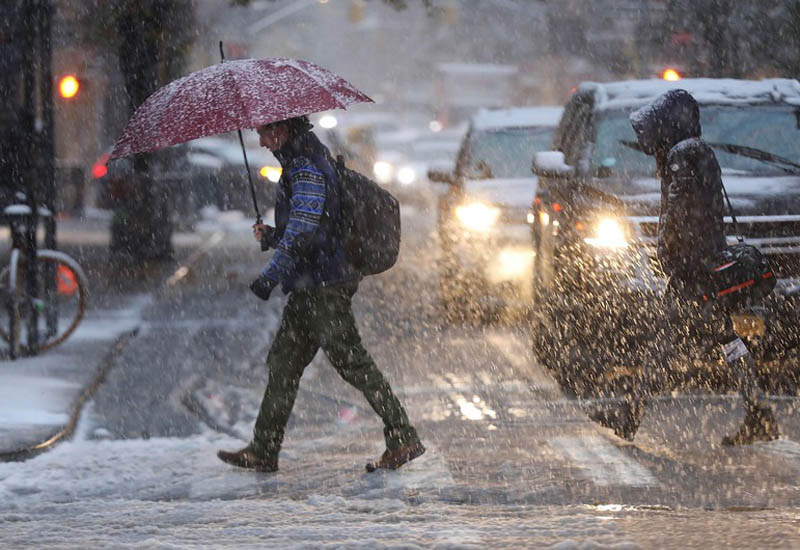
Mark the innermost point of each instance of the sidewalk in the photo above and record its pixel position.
(41, 397)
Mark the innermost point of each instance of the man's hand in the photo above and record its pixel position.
(264, 234)
(262, 287)
(259, 230)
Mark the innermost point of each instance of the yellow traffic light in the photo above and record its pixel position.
(68, 86)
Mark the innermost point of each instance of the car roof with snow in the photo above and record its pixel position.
(231, 151)
(720, 91)
(516, 117)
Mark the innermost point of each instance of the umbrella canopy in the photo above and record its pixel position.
(233, 95)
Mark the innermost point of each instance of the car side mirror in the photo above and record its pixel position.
(551, 164)
(437, 175)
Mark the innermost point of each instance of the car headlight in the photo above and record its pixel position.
(328, 121)
(477, 216)
(607, 233)
(406, 175)
(272, 173)
(383, 171)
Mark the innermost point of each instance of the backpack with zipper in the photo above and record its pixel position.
(369, 222)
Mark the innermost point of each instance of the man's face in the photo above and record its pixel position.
(272, 136)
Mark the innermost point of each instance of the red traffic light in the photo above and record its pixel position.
(100, 168)
(68, 86)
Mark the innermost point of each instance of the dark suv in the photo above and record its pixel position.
(594, 219)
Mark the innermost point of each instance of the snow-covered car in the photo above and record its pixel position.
(402, 160)
(594, 218)
(354, 134)
(486, 254)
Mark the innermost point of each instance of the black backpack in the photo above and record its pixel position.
(369, 222)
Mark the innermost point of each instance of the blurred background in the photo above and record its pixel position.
(428, 64)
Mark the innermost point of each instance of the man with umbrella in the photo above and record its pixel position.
(310, 266)
(273, 95)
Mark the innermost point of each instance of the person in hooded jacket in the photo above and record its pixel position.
(310, 266)
(690, 230)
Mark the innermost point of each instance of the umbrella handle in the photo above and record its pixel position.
(246, 165)
(250, 178)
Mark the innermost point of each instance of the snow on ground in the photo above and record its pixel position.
(174, 493)
(165, 493)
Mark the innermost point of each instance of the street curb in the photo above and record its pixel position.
(69, 428)
(107, 363)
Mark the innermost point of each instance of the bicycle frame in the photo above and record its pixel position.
(23, 223)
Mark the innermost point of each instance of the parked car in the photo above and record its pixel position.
(594, 217)
(205, 171)
(218, 175)
(486, 255)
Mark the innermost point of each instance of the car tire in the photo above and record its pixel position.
(452, 294)
(567, 340)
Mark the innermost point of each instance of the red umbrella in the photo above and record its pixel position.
(233, 95)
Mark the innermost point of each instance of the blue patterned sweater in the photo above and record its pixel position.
(307, 248)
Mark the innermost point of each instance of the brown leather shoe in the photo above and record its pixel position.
(392, 459)
(623, 419)
(247, 458)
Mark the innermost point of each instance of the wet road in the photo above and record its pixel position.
(500, 434)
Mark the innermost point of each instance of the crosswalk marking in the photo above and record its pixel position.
(785, 449)
(603, 463)
(517, 354)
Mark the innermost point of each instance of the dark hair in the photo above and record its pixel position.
(296, 126)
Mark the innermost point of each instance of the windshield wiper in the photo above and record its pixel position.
(784, 164)
(632, 144)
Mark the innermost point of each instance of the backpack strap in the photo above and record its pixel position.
(739, 236)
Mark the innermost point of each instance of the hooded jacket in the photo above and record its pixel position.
(690, 224)
(308, 251)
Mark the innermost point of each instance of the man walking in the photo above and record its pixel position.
(311, 268)
(690, 230)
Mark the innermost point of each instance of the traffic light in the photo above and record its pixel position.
(68, 86)
(356, 10)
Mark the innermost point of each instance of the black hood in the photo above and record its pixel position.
(671, 118)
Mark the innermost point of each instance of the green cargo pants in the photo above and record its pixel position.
(314, 318)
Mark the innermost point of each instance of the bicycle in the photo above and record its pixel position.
(54, 312)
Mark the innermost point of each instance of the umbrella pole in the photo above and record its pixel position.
(246, 165)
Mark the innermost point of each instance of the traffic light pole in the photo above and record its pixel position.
(47, 174)
(28, 169)
(38, 164)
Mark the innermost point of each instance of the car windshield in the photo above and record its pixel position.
(771, 129)
(504, 153)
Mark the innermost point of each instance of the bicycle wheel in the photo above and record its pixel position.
(10, 328)
(59, 312)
